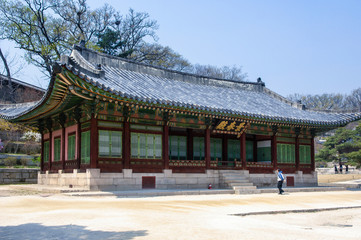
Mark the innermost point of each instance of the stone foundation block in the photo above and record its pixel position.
(123, 181)
(128, 173)
(165, 181)
(93, 173)
(111, 175)
(186, 181)
(167, 173)
(100, 181)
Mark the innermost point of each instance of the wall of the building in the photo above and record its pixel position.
(261, 161)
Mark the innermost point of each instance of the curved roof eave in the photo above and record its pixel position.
(216, 111)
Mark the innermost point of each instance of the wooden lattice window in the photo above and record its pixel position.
(57, 149)
(286, 153)
(216, 149)
(264, 151)
(249, 151)
(234, 149)
(85, 147)
(146, 146)
(305, 154)
(177, 147)
(198, 148)
(46, 151)
(110, 143)
(71, 147)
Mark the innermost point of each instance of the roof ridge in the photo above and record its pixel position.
(283, 99)
(100, 59)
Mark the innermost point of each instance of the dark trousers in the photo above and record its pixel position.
(279, 186)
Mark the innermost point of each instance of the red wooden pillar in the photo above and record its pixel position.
(313, 153)
(126, 145)
(50, 149)
(165, 139)
(63, 147)
(243, 151)
(297, 152)
(93, 141)
(207, 148)
(274, 151)
(78, 146)
(42, 152)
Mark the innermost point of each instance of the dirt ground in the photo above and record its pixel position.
(46, 216)
(330, 178)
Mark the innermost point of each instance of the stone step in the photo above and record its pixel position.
(247, 191)
(228, 171)
(235, 180)
(234, 177)
(234, 173)
(243, 187)
(240, 184)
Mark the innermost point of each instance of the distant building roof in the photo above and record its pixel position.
(21, 83)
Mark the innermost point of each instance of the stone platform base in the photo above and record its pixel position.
(298, 179)
(94, 180)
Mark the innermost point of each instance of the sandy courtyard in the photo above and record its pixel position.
(42, 216)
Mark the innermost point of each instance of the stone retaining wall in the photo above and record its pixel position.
(351, 170)
(18, 175)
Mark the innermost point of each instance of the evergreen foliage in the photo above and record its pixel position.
(344, 146)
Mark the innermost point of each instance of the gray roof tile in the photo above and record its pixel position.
(155, 85)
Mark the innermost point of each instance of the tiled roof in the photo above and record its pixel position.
(9, 111)
(159, 86)
(156, 85)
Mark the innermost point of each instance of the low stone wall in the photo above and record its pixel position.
(93, 179)
(351, 170)
(18, 175)
(270, 180)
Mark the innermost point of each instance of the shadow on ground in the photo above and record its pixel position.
(37, 231)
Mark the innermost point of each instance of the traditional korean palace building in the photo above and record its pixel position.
(110, 123)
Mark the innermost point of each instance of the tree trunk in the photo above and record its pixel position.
(10, 84)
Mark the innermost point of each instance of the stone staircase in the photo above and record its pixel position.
(238, 181)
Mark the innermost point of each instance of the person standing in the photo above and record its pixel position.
(280, 179)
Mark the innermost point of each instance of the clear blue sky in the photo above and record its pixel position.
(305, 46)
